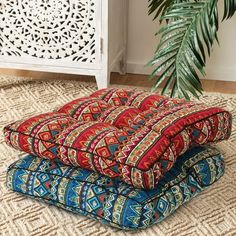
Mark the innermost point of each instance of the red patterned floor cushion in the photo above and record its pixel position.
(37, 134)
(129, 134)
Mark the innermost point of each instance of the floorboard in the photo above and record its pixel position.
(128, 79)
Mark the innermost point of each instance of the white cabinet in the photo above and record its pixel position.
(85, 37)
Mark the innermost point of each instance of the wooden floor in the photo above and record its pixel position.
(128, 79)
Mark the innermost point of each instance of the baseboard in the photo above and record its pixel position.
(138, 69)
(222, 73)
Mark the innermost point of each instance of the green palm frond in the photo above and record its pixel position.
(189, 33)
(229, 8)
(158, 7)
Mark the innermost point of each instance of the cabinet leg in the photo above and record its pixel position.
(103, 80)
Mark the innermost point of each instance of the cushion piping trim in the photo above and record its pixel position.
(187, 172)
(135, 167)
(89, 213)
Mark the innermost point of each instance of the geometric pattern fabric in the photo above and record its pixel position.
(112, 201)
(129, 134)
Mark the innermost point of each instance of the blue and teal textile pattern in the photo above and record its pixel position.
(110, 200)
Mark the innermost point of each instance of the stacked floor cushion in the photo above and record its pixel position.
(140, 141)
(132, 135)
(110, 200)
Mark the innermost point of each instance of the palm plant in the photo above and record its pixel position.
(189, 31)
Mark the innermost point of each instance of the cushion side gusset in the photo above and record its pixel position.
(109, 207)
(211, 129)
(145, 162)
(200, 177)
(117, 140)
(214, 117)
(142, 179)
(85, 198)
(215, 126)
(37, 135)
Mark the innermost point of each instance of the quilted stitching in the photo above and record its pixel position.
(129, 134)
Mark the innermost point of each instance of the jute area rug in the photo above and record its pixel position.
(211, 213)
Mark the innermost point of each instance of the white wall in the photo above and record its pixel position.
(142, 44)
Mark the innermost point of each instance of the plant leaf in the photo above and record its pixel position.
(191, 28)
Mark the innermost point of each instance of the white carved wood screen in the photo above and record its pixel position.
(65, 36)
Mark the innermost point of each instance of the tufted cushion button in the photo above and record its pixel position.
(85, 109)
(120, 116)
(114, 96)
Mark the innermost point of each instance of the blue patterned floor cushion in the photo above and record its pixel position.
(110, 200)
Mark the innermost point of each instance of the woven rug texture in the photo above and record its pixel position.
(212, 213)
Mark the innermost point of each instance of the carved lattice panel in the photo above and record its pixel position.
(49, 29)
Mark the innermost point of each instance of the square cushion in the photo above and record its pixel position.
(112, 201)
(130, 134)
